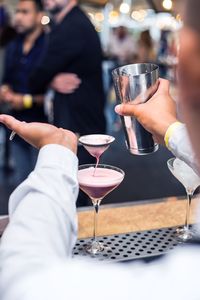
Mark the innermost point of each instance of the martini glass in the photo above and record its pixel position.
(96, 144)
(97, 186)
(190, 180)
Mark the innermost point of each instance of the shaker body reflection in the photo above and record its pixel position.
(136, 84)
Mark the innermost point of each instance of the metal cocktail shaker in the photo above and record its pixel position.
(136, 84)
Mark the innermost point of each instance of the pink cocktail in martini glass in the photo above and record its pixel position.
(96, 144)
(97, 186)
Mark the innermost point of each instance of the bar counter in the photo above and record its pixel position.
(136, 216)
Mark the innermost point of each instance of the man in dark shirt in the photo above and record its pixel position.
(23, 54)
(74, 47)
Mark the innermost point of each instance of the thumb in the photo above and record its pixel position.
(128, 109)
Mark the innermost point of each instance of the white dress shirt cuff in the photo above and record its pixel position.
(180, 146)
(58, 156)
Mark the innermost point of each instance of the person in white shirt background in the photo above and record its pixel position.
(122, 45)
(36, 248)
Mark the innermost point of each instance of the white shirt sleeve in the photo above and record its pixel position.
(42, 232)
(43, 222)
(180, 146)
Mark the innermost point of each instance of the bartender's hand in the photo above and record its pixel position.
(4, 90)
(40, 134)
(15, 100)
(65, 83)
(156, 115)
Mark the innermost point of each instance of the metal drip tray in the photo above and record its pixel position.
(129, 246)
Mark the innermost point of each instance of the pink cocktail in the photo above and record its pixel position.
(96, 144)
(97, 186)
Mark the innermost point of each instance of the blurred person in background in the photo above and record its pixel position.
(74, 47)
(23, 54)
(121, 50)
(163, 44)
(7, 33)
(163, 51)
(3, 15)
(146, 51)
(122, 46)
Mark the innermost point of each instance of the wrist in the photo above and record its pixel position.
(63, 153)
(170, 130)
(27, 101)
(61, 137)
(69, 141)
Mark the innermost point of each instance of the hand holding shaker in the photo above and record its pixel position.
(136, 84)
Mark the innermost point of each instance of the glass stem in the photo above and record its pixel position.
(97, 162)
(96, 210)
(187, 217)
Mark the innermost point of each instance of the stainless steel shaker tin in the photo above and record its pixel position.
(136, 84)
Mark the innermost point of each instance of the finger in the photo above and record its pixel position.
(163, 85)
(65, 91)
(13, 124)
(71, 75)
(72, 81)
(128, 109)
(68, 91)
(76, 82)
(67, 77)
(71, 86)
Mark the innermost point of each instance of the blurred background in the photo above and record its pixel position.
(130, 31)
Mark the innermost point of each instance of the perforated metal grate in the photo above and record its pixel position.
(132, 245)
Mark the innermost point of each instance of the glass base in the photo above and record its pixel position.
(144, 151)
(95, 247)
(184, 234)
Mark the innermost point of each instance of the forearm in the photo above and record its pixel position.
(42, 212)
(24, 101)
(38, 99)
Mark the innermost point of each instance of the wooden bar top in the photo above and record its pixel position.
(136, 216)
